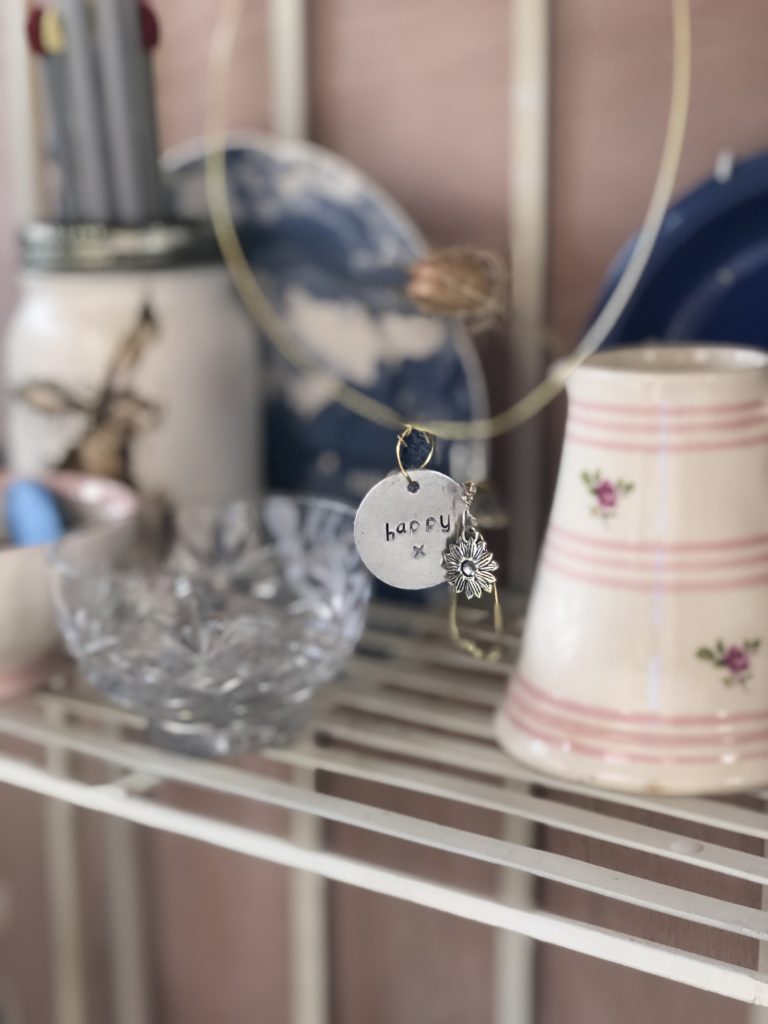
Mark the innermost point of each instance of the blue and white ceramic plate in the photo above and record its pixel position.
(331, 250)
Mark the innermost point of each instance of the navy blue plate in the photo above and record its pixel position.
(708, 277)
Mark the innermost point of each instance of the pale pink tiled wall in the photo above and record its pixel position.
(416, 93)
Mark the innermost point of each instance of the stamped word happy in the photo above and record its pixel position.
(406, 527)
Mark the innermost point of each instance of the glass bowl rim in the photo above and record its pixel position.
(258, 500)
(58, 564)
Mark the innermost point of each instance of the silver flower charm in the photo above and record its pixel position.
(470, 567)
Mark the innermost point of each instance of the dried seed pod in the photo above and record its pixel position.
(469, 283)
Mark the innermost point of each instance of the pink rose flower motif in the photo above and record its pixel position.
(736, 659)
(607, 493)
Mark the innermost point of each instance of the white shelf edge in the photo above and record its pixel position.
(686, 968)
(414, 714)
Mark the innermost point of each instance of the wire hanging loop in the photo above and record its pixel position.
(402, 442)
(220, 65)
(470, 569)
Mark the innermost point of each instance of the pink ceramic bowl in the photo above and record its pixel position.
(29, 639)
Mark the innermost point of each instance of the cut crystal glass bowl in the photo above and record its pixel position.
(222, 644)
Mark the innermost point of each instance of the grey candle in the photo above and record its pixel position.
(146, 119)
(91, 185)
(118, 43)
(58, 107)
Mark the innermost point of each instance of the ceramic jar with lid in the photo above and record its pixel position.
(128, 355)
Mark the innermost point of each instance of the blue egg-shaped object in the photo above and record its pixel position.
(32, 514)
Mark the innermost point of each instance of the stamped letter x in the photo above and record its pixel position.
(418, 551)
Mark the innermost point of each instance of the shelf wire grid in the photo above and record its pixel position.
(412, 713)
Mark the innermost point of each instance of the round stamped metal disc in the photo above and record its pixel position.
(401, 534)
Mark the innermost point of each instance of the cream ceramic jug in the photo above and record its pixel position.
(644, 663)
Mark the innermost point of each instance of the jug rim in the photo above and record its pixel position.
(676, 361)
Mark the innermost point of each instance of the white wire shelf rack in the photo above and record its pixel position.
(414, 714)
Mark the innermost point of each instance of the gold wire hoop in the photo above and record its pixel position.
(402, 442)
(491, 654)
(254, 298)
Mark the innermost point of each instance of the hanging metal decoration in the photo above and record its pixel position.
(415, 529)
